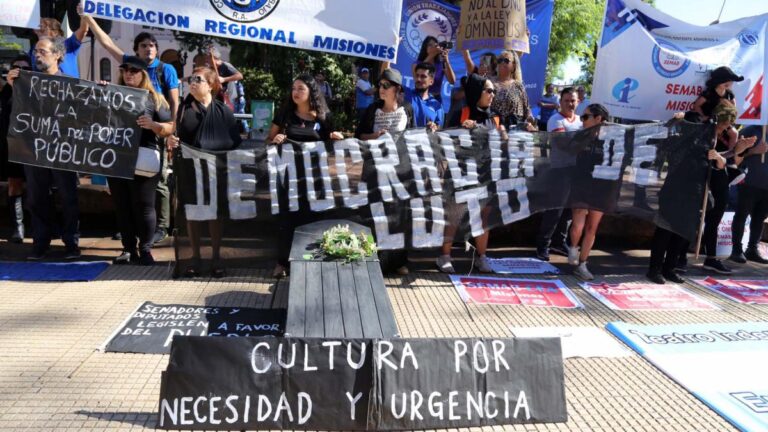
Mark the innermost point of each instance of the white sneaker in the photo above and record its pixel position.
(581, 271)
(573, 255)
(483, 266)
(444, 264)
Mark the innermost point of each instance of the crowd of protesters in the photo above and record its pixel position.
(492, 96)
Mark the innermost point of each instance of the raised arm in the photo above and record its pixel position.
(468, 62)
(103, 38)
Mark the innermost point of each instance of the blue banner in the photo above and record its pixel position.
(422, 18)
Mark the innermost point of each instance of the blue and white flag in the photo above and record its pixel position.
(361, 28)
(651, 65)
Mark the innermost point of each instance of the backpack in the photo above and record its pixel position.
(159, 72)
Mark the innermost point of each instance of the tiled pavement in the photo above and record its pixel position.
(53, 378)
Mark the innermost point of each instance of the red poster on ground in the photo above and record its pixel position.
(639, 296)
(528, 292)
(741, 290)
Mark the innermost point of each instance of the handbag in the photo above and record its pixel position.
(148, 162)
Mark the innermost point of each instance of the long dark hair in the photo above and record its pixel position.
(423, 52)
(316, 98)
(598, 110)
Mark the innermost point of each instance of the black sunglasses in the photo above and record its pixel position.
(585, 117)
(25, 68)
(503, 60)
(386, 85)
(197, 79)
(490, 91)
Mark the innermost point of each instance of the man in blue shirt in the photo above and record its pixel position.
(166, 81)
(51, 28)
(427, 110)
(363, 92)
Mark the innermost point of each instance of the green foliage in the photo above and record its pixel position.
(260, 85)
(575, 30)
(9, 45)
(340, 242)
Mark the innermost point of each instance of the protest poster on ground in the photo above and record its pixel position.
(75, 125)
(150, 329)
(16, 13)
(646, 296)
(493, 24)
(521, 266)
(722, 364)
(360, 384)
(671, 60)
(527, 292)
(747, 291)
(360, 28)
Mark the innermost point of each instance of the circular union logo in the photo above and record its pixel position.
(426, 19)
(668, 61)
(748, 37)
(244, 10)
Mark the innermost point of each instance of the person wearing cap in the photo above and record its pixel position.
(388, 115)
(364, 92)
(716, 88)
(752, 201)
(427, 110)
(49, 54)
(135, 198)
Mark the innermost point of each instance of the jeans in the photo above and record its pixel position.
(135, 206)
(39, 201)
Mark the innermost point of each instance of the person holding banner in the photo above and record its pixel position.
(584, 219)
(511, 101)
(206, 123)
(8, 170)
(477, 112)
(436, 54)
(49, 54)
(717, 88)
(303, 118)
(135, 199)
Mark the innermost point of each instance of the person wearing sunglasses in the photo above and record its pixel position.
(511, 101)
(303, 118)
(49, 54)
(206, 123)
(585, 220)
(135, 199)
(477, 113)
(13, 172)
(388, 115)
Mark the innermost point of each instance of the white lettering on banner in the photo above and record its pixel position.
(351, 200)
(465, 140)
(472, 198)
(191, 410)
(644, 154)
(421, 237)
(280, 164)
(522, 209)
(65, 153)
(519, 155)
(437, 404)
(612, 137)
(385, 168)
(385, 239)
(315, 204)
(237, 182)
(201, 211)
(326, 25)
(353, 403)
(422, 161)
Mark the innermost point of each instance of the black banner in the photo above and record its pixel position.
(410, 188)
(75, 125)
(152, 327)
(361, 384)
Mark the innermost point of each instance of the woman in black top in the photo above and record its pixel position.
(208, 124)
(135, 199)
(9, 170)
(302, 118)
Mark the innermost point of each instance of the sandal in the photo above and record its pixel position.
(193, 270)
